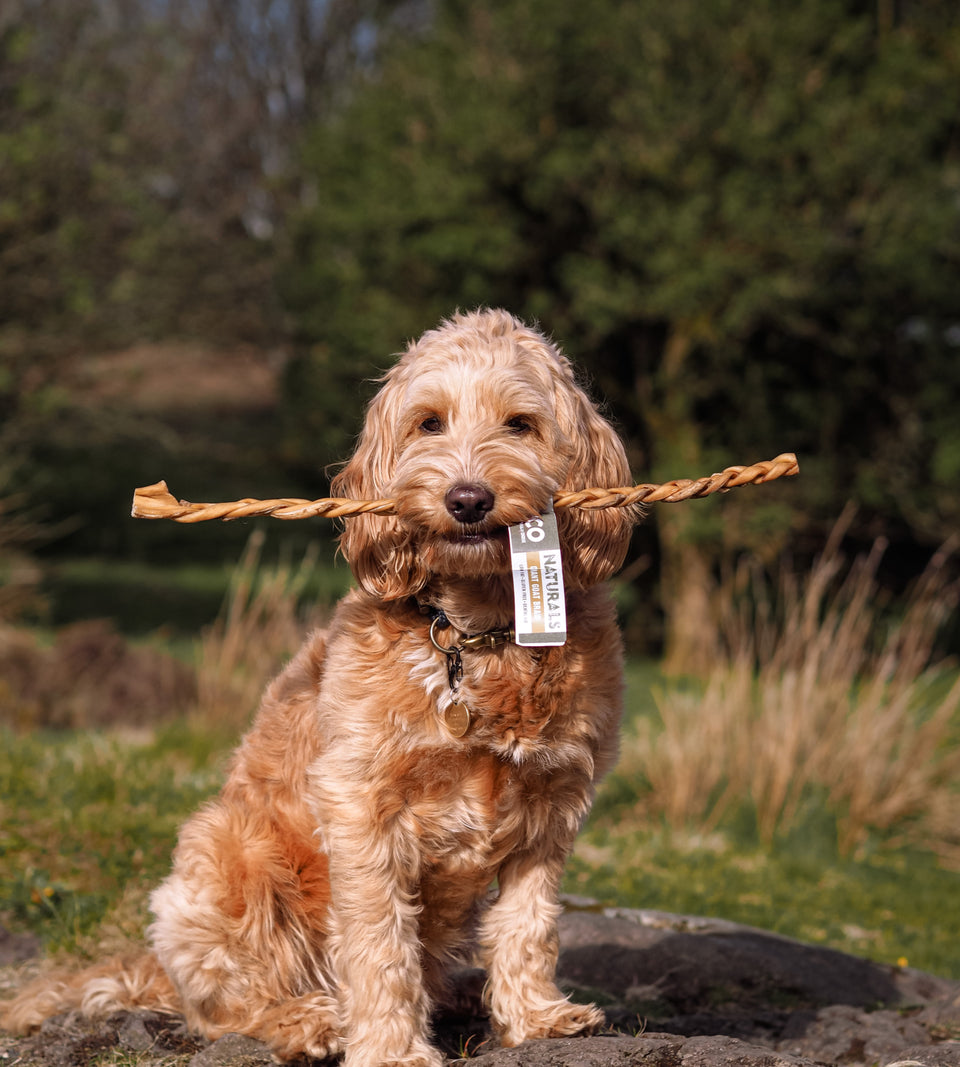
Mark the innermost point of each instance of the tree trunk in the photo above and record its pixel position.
(686, 578)
(686, 591)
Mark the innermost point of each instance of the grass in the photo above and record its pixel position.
(806, 785)
(809, 783)
(894, 906)
(77, 861)
(87, 824)
(144, 597)
(261, 626)
(88, 819)
(120, 1057)
(820, 695)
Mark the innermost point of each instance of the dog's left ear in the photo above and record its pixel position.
(594, 541)
(378, 549)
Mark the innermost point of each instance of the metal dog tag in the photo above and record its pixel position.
(456, 717)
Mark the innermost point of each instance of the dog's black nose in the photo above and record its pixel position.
(468, 503)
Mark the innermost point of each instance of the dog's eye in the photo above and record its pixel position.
(431, 424)
(519, 424)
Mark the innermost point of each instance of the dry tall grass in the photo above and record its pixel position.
(261, 626)
(819, 696)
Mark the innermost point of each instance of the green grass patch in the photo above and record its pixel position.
(886, 902)
(87, 825)
(88, 822)
(892, 906)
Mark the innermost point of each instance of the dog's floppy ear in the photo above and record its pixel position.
(377, 547)
(595, 541)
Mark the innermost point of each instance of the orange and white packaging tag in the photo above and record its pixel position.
(539, 603)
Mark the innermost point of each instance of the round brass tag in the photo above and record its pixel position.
(457, 719)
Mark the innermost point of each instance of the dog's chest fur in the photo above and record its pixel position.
(526, 761)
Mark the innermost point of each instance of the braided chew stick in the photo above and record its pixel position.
(156, 502)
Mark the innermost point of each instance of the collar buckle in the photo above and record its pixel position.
(488, 639)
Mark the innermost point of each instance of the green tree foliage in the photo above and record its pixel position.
(121, 220)
(778, 188)
(144, 154)
(114, 228)
(744, 219)
(144, 172)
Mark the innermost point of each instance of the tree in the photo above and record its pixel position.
(144, 157)
(743, 218)
(145, 168)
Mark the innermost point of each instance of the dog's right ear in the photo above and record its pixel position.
(377, 547)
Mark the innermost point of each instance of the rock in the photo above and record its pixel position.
(842, 1034)
(70, 1040)
(946, 1054)
(153, 1031)
(15, 948)
(649, 1050)
(233, 1050)
(689, 964)
(134, 1033)
(679, 991)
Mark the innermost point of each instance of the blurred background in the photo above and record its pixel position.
(220, 218)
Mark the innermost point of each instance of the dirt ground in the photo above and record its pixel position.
(678, 992)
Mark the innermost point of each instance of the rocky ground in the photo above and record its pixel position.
(678, 992)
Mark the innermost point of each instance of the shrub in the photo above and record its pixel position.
(820, 697)
(89, 677)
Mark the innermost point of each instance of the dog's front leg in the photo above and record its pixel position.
(374, 871)
(519, 937)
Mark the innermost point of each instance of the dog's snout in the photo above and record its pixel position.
(469, 503)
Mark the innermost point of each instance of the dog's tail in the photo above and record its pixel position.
(122, 983)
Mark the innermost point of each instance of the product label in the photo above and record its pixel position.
(539, 604)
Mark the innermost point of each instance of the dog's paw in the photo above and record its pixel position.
(560, 1019)
(415, 1061)
(419, 1054)
(296, 1043)
(304, 1027)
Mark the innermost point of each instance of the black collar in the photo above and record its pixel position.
(484, 639)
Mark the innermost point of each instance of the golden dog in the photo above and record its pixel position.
(365, 838)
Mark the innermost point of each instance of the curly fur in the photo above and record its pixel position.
(318, 901)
